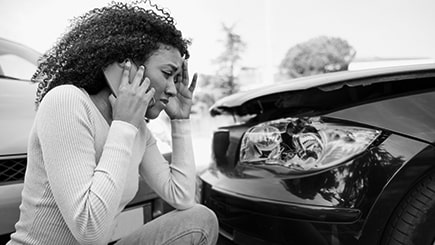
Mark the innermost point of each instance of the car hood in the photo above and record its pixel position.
(252, 101)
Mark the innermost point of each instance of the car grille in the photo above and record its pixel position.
(12, 169)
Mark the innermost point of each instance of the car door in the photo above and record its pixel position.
(17, 94)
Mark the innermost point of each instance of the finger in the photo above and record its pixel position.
(185, 79)
(145, 86)
(126, 74)
(193, 83)
(138, 78)
(112, 100)
(150, 94)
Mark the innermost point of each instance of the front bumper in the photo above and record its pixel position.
(247, 220)
(227, 200)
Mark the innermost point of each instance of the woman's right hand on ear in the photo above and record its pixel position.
(133, 98)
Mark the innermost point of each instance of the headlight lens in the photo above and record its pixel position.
(303, 145)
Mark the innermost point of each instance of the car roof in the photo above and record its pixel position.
(8, 46)
(327, 81)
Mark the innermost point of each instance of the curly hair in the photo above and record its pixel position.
(103, 36)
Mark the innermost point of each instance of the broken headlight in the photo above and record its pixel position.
(303, 145)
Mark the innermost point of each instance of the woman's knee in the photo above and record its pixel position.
(207, 220)
(196, 225)
(206, 215)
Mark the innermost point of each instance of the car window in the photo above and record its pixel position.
(13, 66)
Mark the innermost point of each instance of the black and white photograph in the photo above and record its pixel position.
(217, 122)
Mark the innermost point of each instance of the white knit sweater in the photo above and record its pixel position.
(81, 171)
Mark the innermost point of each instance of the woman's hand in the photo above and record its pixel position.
(133, 98)
(180, 105)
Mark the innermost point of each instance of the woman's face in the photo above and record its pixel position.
(163, 68)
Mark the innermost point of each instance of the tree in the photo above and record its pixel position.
(318, 55)
(224, 82)
(228, 61)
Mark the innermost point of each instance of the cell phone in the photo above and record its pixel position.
(113, 74)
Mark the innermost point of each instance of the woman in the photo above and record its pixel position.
(87, 148)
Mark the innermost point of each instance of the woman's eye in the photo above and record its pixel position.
(167, 74)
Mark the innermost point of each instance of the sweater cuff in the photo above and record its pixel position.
(180, 126)
(124, 124)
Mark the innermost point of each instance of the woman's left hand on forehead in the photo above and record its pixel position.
(180, 105)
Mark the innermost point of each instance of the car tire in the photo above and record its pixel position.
(413, 221)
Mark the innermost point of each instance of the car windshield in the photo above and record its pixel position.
(16, 67)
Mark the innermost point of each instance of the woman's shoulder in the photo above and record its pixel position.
(65, 92)
(65, 95)
(65, 89)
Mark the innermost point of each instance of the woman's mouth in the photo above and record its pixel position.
(164, 101)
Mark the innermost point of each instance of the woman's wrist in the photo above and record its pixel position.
(180, 126)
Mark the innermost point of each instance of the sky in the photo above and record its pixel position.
(375, 28)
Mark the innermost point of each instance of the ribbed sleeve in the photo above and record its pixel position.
(174, 182)
(87, 191)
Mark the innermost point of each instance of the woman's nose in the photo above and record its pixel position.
(171, 90)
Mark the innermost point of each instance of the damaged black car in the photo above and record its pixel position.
(337, 158)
